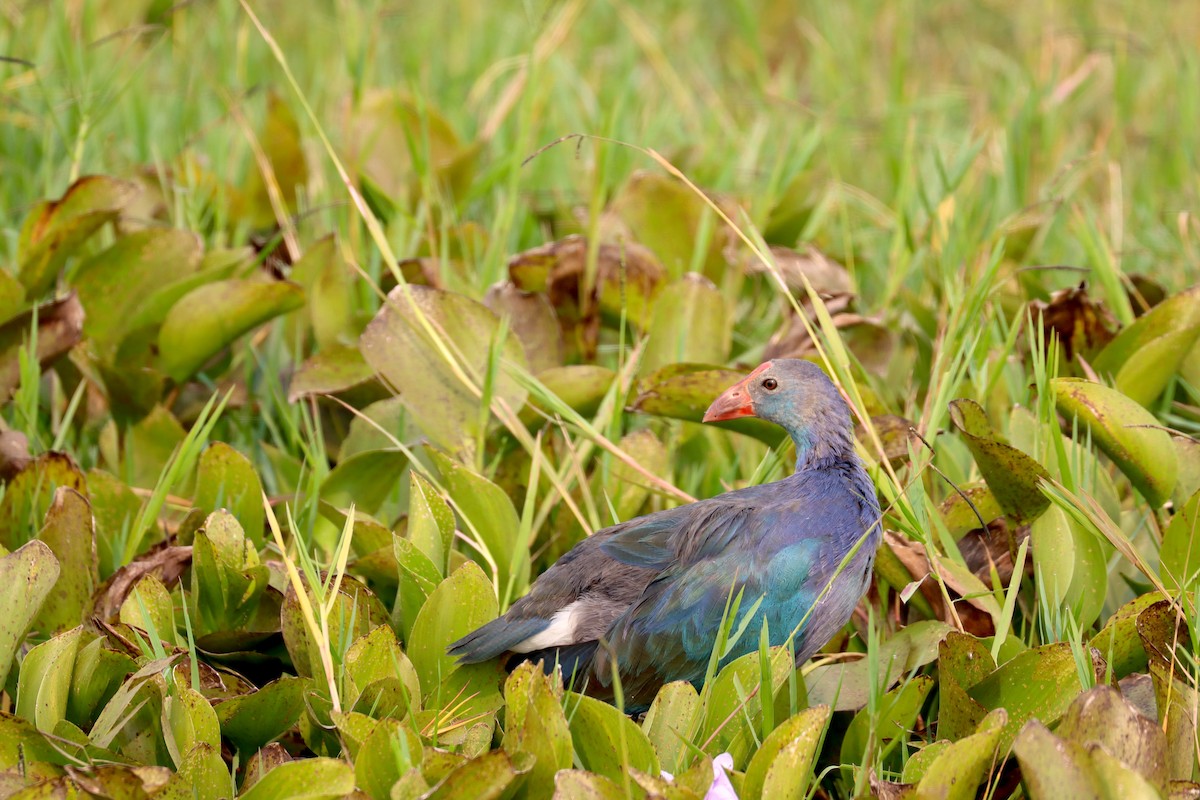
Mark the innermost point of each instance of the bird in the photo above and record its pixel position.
(649, 595)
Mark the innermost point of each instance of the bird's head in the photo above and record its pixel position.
(794, 394)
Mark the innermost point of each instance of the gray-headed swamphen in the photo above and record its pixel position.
(652, 592)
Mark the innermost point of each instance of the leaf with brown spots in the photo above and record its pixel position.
(1080, 323)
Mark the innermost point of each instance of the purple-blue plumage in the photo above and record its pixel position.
(652, 591)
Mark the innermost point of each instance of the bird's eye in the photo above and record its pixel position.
(770, 384)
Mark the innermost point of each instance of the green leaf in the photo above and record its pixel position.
(418, 577)
(606, 740)
(305, 779)
(225, 479)
(366, 480)
(69, 534)
(963, 661)
(115, 510)
(845, 686)
(376, 657)
(1146, 355)
(671, 722)
(114, 285)
(1051, 767)
(386, 754)
(958, 769)
(55, 229)
(1013, 476)
(1068, 565)
(213, 316)
(1040, 682)
(535, 724)
(44, 684)
(398, 346)
(26, 578)
(1180, 552)
(625, 488)
(187, 721)
(28, 496)
(685, 391)
(731, 717)
(336, 369)
(59, 328)
(148, 606)
(1125, 431)
(1101, 718)
(1118, 641)
(578, 784)
(532, 319)
(483, 778)
(488, 514)
(99, 672)
(689, 323)
(355, 611)
(580, 386)
(459, 605)
(666, 216)
(431, 522)
(252, 720)
(783, 765)
(894, 717)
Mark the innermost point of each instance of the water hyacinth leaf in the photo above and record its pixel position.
(227, 578)
(417, 578)
(12, 297)
(957, 770)
(226, 479)
(202, 776)
(536, 725)
(1068, 565)
(671, 721)
(1012, 475)
(1052, 767)
(305, 779)
(485, 777)
(44, 684)
(666, 216)
(386, 753)
(149, 607)
(531, 317)
(1187, 451)
(685, 391)
(215, 265)
(1179, 555)
(398, 346)
(99, 672)
(326, 279)
(366, 480)
(731, 716)
(377, 657)
(625, 488)
(1125, 431)
(782, 767)
(337, 369)
(578, 784)
(284, 151)
(431, 522)
(69, 534)
(1040, 682)
(606, 740)
(59, 328)
(844, 686)
(113, 285)
(392, 137)
(1102, 717)
(374, 428)
(213, 316)
(459, 605)
(1118, 641)
(581, 386)
(961, 516)
(963, 661)
(689, 323)
(1144, 357)
(27, 576)
(354, 612)
(488, 515)
(252, 720)
(893, 718)
(54, 229)
(188, 720)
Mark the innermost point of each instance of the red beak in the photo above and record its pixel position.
(735, 401)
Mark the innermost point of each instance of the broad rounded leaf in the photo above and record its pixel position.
(226, 479)
(957, 771)
(1012, 475)
(1125, 431)
(685, 391)
(26, 578)
(606, 740)
(69, 533)
(211, 317)
(305, 779)
(459, 605)
(252, 720)
(405, 344)
(689, 323)
(1039, 683)
(783, 765)
(1145, 356)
